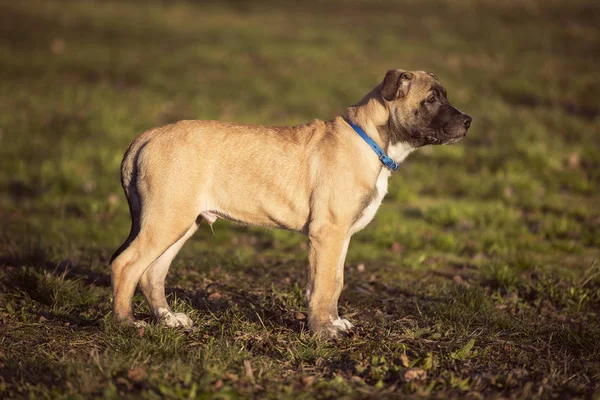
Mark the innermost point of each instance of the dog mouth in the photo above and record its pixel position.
(454, 139)
(446, 136)
(453, 129)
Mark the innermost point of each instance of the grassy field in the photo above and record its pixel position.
(479, 277)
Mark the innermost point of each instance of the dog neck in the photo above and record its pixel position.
(399, 151)
(372, 116)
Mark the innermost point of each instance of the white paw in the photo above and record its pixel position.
(342, 323)
(174, 320)
(333, 329)
(177, 320)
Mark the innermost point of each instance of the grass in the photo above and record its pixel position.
(479, 277)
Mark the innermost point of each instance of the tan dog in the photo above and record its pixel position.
(321, 179)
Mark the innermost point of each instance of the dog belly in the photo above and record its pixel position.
(257, 210)
(244, 218)
(254, 219)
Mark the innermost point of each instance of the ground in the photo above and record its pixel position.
(479, 277)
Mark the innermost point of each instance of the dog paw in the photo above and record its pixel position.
(176, 320)
(334, 329)
(343, 323)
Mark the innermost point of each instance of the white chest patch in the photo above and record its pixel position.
(398, 153)
(369, 212)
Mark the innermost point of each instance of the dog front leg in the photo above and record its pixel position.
(339, 286)
(327, 252)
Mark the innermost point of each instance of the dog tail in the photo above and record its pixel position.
(129, 167)
(129, 177)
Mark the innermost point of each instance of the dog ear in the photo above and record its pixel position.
(396, 84)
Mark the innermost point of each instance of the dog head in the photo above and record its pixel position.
(419, 110)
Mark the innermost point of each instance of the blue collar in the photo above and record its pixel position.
(384, 158)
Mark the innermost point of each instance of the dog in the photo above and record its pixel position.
(325, 179)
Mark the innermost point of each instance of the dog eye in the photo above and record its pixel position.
(431, 99)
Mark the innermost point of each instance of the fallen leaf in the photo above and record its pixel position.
(414, 374)
(136, 374)
(215, 296)
(113, 199)
(308, 380)
(512, 296)
(465, 352)
(231, 377)
(248, 368)
(573, 161)
(123, 381)
(88, 187)
(57, 46)
(460, 281)
(396, 247)
(404, 360)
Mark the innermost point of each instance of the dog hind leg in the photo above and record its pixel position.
(152, 284)
(153, 240)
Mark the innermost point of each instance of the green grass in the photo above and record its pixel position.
(479, 277)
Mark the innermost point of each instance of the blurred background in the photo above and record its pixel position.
(508, 218)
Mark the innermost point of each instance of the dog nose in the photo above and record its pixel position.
(467, 121)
